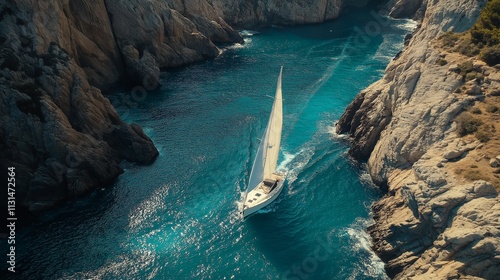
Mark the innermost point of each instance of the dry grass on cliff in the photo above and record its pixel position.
(476, 164)
(481, 122)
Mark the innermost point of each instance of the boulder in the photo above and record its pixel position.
(474, 90)
(453, 154)
(454, 68)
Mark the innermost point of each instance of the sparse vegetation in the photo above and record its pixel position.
(449, 39)
(476, 111)
(491, 55)
(473, 175)
(491, 108)
(466, 47)
(482, 135)
(467, 124)
(465, 67)
(474, 76)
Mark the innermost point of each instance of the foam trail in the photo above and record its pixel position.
(289, 157)
(304, 157)
(329, 73)
(320, 47)
(237, 214)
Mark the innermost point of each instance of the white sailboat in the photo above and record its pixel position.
(265, 183)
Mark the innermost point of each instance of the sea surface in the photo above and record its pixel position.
(179, 218)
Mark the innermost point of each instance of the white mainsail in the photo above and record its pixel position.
(267, 155)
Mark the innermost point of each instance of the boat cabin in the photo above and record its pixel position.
(270, 184)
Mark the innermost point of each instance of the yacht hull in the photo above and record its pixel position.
(251, 209)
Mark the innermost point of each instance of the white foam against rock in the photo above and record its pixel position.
(247, 33)
(360, 243)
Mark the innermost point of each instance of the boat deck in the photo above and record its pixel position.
(263, 191)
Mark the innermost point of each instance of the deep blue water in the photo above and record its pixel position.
(178, 218)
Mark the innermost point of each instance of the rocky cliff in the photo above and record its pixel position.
(57, 129)
(431, 224)
(264, 13)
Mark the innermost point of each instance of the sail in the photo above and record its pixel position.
(268, 152)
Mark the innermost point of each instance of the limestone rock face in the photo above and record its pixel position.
(64, 129)
(247, 14)
(390, 121)
(407, 8)
(81, 27)
(158, 34)
(430, 225)
(60, 133)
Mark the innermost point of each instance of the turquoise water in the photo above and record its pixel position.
(178, 218)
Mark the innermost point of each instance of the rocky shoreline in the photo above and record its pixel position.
(65, 138)
(431, 224)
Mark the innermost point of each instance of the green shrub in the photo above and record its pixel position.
(449, 39)
(491, 55)
(467, 124)
(487, 28)
(474, 75)
(465, 67)
(467, 47)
